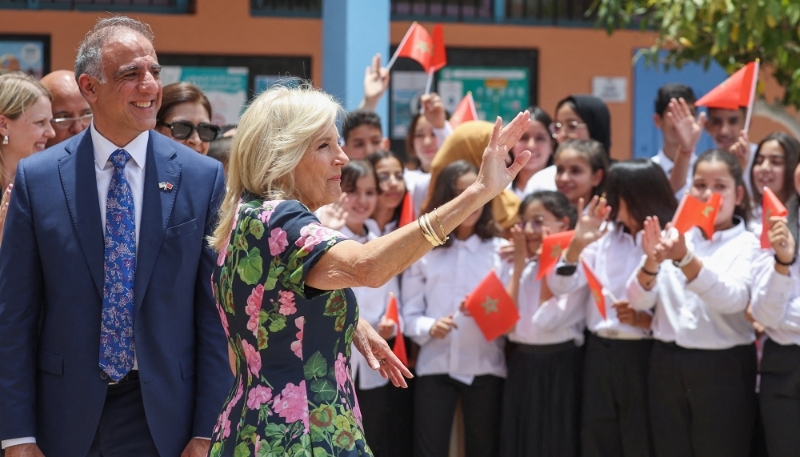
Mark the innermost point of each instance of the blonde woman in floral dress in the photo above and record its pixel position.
(282, 280)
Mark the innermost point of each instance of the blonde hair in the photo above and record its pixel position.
(18, 92)
(273, 134)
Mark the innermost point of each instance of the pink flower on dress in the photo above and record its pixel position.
(314, 234)
(357, 410)
(258, 396)
(292, 403)
(257, 442)
(223, 253)
(253, 358)
(297, 346)
(224, 423)
(277, 241)
(286, 299)
(342, 375)
(253, 308)
(224, 318)
(268, 208)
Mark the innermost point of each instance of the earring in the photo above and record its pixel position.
(5, 139)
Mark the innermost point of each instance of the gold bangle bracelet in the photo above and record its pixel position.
(429, 226)
(425, 232)
(441, 227)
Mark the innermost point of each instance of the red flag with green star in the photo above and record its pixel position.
(552, 248)
(771, 206)
(491, 307)
(692, 212)
(417, 45)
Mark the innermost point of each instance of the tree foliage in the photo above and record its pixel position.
(731, 32)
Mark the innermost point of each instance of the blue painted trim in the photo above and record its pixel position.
(499, 10)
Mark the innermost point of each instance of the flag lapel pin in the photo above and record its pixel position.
(165, 186)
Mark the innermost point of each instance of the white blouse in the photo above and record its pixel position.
(709, 311)
(372, 304)
(434, 287)
(612, 258)
(557, 320)
(542, 180)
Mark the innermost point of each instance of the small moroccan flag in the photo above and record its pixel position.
(407, 212)
(492, 307)
(465, 111)
(733, 93)
(393, 313)
(439, 59)
(417, 44)
(692, 212)
(595, 288)
(771, 206)
(552, 248)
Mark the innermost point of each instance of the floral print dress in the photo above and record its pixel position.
(293, 394)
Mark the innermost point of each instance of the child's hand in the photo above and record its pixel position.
(688, 129)
(741, 149)
(386, 328)
(630, 316)
(441, 328)
(781, 239)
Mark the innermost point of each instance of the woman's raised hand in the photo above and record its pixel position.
(495, 175)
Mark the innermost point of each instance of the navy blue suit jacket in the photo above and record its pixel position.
(51, 295)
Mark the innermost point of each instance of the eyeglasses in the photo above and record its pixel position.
(537, 223)
(570, 127)
(384, 178)
(182, 130)
(63, 123)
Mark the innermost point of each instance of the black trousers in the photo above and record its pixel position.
(434, 408)
(373, 404)
(123, 430)
(702, 402)
(614, 419)
(779, 398)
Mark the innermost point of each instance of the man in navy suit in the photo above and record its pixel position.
(110, 342)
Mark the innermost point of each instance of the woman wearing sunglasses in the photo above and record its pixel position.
(185, 115)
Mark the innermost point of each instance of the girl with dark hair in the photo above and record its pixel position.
(541, 143)
(581, 167)
(773, 167)
(583, 117)
(542, 395)
(455, 360)
(372, 390)
(388, 169)
(185, 116)
(614, 418)
(703, 364)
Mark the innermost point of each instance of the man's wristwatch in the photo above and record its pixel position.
(685, 260)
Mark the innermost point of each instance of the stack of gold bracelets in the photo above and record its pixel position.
(428, 232)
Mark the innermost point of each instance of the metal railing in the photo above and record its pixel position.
(455, 10)
(301, 8)
(550, 12)
(144, 6)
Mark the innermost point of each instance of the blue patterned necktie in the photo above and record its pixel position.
(116, 326)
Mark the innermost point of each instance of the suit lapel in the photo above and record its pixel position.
(79, 181)
(161, 167)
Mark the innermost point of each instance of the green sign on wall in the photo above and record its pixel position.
(497, 91)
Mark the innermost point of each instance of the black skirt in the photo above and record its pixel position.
(542, 401)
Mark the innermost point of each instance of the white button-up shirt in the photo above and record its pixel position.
(612, 258)
(667, 165)
(557, 320)
(709, 311)
(434, 287)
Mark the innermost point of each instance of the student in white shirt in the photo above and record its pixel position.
(773, 167)
(391, 189)
(542, 395)
(776, 304)
(703, 365)
(581, 168)
(455, 360)
(615, 418)
(541, 143)
(372, 390)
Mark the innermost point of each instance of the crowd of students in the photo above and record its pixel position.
(671, 370)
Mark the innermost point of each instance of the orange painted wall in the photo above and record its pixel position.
(568, 57)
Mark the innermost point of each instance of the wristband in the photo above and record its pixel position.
(685, 260)
(649, 273)
(778, 261)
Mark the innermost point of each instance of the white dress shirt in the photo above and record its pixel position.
(104, 170)
(372, 303)
(709, 311)
(612, 258)
(776, 299)
(434, 287)
(542, 180)
(667, 165)
(557, 320)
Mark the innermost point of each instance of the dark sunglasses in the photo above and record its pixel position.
(182, 130)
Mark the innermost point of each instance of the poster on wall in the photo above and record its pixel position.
(497, 91)
(225, 87)
(28, 54)
(407, 87)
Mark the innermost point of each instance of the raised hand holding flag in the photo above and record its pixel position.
(491, 307)
(417, 44)
(552, 248)
(771, 206)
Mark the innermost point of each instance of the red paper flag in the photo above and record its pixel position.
(417, 45)
(439, 59)
(465, 111)
(407, 212)
(492, 307)
(734, 93)
(692, 212)
(771, 206)
(596, 288)
(552, 248)
(393, 313)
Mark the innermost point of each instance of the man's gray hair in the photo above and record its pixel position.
(90, 52)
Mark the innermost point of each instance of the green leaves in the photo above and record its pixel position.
(316, 367)
(250, 268)
(325, 391)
